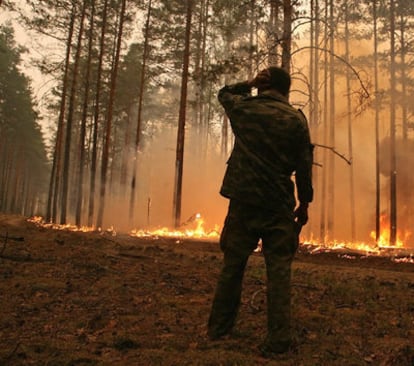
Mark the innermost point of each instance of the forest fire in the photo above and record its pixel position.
(194, 228)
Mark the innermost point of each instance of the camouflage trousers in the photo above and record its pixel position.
(243, 227)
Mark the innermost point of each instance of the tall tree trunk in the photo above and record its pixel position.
(69, 123)
(126, 151)
(331, 179)
(27, 195)
(15, 179)
(312, 61)
(82, 136)
(197, 66)
(224, 135)
(393, 105)
(323, 207)
(377, 136)
(314, 89)
(349, 121)
(404, 97)
(316, 51)
(203, 116)
(51, 211)
(108, 125)
(5, 164)
(273, 40)
(181, 122)
(225, 122)
(145, 55)
(92, 185)
(252, 31)
(287, 35)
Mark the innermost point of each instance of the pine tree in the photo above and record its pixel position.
(23, 166)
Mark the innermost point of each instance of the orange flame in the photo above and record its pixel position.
(194, 228)
(38, 220)
(198, 232)
(385, 235)
(374, 246)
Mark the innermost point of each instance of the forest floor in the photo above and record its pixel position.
(73, 298)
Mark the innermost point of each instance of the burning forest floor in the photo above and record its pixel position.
(74, 298)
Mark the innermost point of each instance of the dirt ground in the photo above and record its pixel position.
(71, 298)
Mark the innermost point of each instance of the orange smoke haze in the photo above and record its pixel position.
(203, 171)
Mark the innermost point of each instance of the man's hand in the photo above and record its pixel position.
(261, 81)
(301, 214)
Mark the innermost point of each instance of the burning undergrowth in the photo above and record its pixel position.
(196, 228)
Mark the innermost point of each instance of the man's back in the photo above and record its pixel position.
(271, 142)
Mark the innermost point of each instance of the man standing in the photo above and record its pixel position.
(271, 143)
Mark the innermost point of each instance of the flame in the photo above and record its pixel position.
(195, 228)
(385, 235)
(39, 221)
(336, 245)
(198, 232)
(373, 246)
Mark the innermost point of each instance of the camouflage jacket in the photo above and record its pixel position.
(272, 143)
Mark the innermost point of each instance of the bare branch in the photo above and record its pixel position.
(366, 93)
(349, 161)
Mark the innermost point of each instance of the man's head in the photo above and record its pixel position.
(273, 78)
(279, 80)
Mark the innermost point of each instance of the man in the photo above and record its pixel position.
(271, 143)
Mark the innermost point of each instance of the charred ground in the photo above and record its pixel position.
(70, 298)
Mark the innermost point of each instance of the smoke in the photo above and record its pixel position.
(362, 167)
(204, 167)
(202, 175)
(364, 170)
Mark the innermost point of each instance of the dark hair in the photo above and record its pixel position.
(279, 80)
